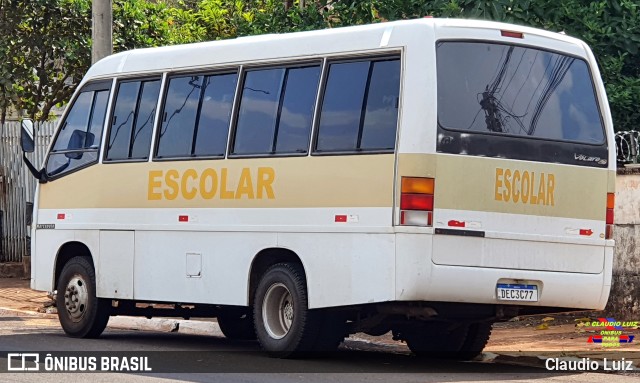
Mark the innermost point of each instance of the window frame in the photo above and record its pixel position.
(596, 95)
(161, 108)
(394, 55)
(90, 86)
(320, 62)
(134, 78)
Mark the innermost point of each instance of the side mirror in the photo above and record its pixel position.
(27, 136)
(27, 143)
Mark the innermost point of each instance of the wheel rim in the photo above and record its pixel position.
(76, 298)
(277, 311)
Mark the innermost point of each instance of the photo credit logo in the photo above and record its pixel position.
(611, 332)
(27, 361)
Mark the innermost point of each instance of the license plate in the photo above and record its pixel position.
(514, 292)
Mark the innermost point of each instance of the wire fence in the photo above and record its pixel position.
(627, 149)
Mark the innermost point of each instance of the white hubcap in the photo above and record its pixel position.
(277, 311)
(76, 298)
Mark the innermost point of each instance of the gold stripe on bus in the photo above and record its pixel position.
(283, 182)
(517, 187)
(498, 185)
(611, 186)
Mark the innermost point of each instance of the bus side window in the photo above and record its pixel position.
(276, 111)
(359, 110)
(133, 120)
(196, 116)
(212, 130)
(78, 140)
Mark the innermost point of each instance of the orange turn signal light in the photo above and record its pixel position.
(417, 185)
(611, 197)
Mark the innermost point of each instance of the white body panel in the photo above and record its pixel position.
(161, 258)
(550, 243)
(115, 262)
(345, 264)
(420, 279)
(161, 250)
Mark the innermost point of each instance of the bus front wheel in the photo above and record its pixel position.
(81, 313)
(285, 327)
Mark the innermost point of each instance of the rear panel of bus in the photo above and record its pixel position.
(519, 192)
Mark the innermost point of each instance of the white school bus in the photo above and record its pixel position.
(426, 177)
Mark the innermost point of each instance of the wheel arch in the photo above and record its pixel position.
(67, 251)
(267, 258)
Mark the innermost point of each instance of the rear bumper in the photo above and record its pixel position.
(418, 278)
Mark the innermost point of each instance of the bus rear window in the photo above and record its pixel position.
(514, 90)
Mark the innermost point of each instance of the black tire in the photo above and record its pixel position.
(452, 341)
(284, 325)
(477, 337)
(331, 332)
(81, 313)
(237, 324)
(432, 339)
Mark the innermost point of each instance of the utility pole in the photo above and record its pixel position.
(102, 29)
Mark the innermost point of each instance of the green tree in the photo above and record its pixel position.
(45, 53)
(140, 24)
(9, 69)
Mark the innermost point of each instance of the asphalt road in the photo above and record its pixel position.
(177, 357)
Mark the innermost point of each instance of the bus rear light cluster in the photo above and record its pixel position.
(416, 201)
(608, 233)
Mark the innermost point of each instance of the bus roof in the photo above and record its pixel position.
(309, 44)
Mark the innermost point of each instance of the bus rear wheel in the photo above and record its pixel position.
(285, 327)
(81, 313)
(439, 340)
(237, 324)
(477, 337)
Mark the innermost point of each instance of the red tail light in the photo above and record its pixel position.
(609, 216)
(515, 35)
(608, 234)
(416, 201)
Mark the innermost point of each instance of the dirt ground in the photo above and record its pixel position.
(15, 294)
(558, 336)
